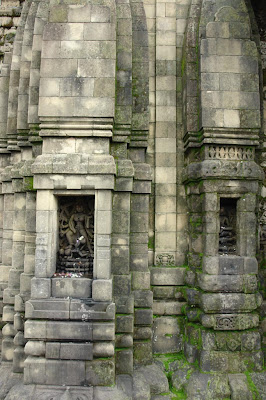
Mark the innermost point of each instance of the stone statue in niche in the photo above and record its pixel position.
(227, 235)
(76, 236)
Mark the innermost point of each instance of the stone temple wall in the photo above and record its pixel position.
(132, 203)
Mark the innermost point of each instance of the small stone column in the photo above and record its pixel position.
(8, 309)
(143, 298)
(121, 267)
(25, 281)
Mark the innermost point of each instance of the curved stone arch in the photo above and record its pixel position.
(14, 80)
(34, 81)
(140, 76)
(4, 92)
(23, 89)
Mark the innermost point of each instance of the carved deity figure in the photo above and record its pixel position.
(76, 235)
(227, 236)
(78, 231)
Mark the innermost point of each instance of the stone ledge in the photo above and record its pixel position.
(223, 169)
(69, 330)
(69, 309)
(76, 164)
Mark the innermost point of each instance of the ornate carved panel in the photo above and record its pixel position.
(231, 153)
(165, 259)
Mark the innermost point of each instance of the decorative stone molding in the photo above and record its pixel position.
(166, 260)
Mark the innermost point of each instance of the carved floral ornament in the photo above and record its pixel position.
(231, 153)
(165, 259)
(233, 322)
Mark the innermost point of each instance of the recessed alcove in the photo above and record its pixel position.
(228, 226)
(76, 236)
(75, 255)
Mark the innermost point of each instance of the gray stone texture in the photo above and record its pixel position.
(155, 111)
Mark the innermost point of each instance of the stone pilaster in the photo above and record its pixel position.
(28, 269)
(8, 309)
(143, 298)
(121, 267)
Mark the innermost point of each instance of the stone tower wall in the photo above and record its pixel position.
(132, 193)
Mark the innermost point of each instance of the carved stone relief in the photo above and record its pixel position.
(165, 259)
(76, 236)
(227, 235)
(262, 209)
(231, 153)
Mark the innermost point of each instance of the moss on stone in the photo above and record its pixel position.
(252, 387)
(28, 183)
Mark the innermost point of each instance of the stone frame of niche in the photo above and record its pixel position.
(48, 236)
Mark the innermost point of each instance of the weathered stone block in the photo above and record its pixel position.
(166, 292)
(208, 386)
(141, 280)
(47, 309)
(75, 288)
(103, 349)
(229, 302)
(35, 348)
(140, 388)
(8, 313)
(167, 308)
(124, 362)
(142, 353)
(69, 351)
(218, 361)
(139, 261)
(100, 372)
(143, 298)
(103, 331)
(54, 372)
(142, 333)
(139, 222)
(120, 260)
(123, 340)
(166, 337)
(124, 304)
(143, 317)
(167, 276)
(121, 222)
(122, 285)
(102, 290)
(124, 323)
(239, 387)
(227, 283)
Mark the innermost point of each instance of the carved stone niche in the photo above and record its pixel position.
(75, 255)
(73, 237)
(228, 226)
(76, 236)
